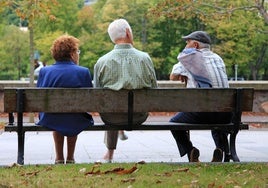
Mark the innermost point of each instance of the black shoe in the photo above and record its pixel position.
(217, 155)
(194, 155)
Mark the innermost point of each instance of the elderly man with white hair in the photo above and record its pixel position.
(124, 67)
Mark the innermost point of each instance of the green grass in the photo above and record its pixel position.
(137, 175)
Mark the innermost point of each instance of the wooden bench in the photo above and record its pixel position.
(236, 100)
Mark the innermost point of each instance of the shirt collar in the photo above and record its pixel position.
(123, 46)
(204, 49)
(64, 62)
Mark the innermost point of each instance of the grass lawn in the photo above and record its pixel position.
(138, 175)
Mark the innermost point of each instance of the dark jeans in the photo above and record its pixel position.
(182, 137)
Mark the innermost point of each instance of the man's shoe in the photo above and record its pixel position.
(123, 136)
(194, 155)
(217, 155)
(101, 161)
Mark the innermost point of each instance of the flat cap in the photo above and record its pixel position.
(200, 36)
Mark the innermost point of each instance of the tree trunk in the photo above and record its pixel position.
(31, 84)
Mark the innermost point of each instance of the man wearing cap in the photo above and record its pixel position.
(211, 70)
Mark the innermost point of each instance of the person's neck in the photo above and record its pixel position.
(123, 41)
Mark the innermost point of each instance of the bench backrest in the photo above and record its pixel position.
(143, 100)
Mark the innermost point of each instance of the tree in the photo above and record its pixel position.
(63, 17)
(14, 61)
(220, 19)
(135, 11)
(30, 10)
(157, 27)
(94, 37)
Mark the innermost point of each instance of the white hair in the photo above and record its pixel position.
(117, 29)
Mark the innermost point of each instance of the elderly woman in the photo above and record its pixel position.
(65, 73)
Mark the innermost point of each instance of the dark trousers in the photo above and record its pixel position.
(182, 137)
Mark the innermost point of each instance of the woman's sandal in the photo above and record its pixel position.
(70, 162)
(59, 162)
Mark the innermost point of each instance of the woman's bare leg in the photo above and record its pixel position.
(59, 143)
(71, 141)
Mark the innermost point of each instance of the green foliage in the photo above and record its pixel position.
(238, 30)
(43, 45)
(14, 45)
(241, 43)
(97, 41)
(62, 18)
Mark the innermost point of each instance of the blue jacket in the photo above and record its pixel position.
(65, 75)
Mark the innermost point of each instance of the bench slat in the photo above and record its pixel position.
(187, 100)
(75, 100)
(145, 126)
(105, 100)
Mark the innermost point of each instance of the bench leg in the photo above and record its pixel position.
(20, 158)
(21, 136)
(227, 154)
(232, 146)
(10, 119)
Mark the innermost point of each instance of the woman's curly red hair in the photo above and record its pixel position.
(63, 47)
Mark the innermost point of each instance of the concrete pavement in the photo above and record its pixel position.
(149, 146)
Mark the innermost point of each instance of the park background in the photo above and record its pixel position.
(238, 30)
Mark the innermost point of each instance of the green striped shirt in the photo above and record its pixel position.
(125, 68)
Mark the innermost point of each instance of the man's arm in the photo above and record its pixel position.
(176, 77)
(96, 77)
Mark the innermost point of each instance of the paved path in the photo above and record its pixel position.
(150, 146)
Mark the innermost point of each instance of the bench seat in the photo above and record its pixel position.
(145, 126)
(75, 100)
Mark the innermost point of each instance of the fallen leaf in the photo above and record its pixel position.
(129, 171)
(231, 182)
(194, 183)
(93, 171)
(128, 180)
(158, 181)
(211, 185)
(141, 162)
(118, 169)
(82, 170)
(97, 172)
(48, 168)
(31, 173)
(181, 170)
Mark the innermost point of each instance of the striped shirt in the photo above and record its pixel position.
(124, 68)
(216, 69)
